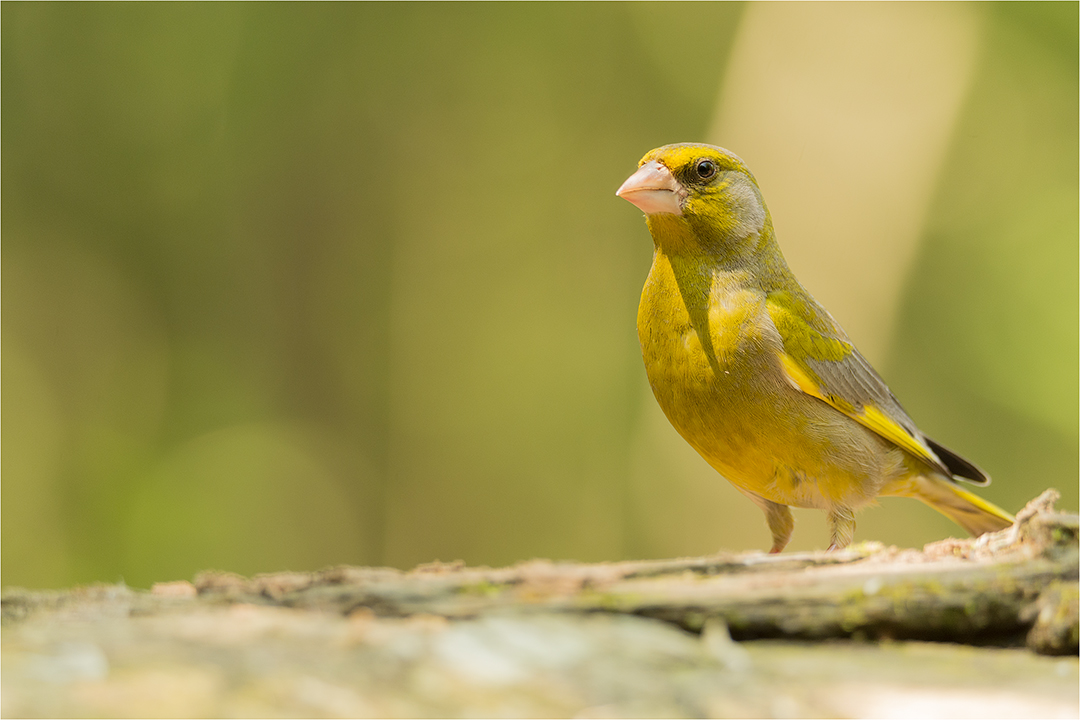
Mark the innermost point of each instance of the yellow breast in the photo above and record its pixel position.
(710, 353)
(700, 328)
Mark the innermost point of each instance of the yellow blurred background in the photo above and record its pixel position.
(285, 286)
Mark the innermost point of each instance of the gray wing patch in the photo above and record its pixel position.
(855, 381)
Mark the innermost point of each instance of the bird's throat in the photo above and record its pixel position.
(672, 234)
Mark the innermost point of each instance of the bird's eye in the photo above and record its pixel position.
(705, 169)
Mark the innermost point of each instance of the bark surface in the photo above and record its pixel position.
(962, 628)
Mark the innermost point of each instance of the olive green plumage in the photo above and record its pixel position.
(757, 376)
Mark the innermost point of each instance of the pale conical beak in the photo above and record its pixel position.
(653, 189)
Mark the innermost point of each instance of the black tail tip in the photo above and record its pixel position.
(959, 467)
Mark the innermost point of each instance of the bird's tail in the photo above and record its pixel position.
(970, 511)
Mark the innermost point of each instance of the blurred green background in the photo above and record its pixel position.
(293, 285)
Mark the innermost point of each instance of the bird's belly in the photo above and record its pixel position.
(731, 403)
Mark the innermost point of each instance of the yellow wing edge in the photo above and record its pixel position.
(869, 417)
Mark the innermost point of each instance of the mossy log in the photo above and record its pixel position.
(812, 634)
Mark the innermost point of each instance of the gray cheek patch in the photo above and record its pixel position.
(746, 204)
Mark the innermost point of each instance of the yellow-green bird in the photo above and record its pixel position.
(757, 376)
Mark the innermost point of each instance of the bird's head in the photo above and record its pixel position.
(706, 186)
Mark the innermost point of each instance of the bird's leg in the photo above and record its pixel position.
(780, 524)
(841, 527)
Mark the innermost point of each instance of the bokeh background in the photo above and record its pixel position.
(285, 286)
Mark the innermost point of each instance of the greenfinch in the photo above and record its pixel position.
(757, 376)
